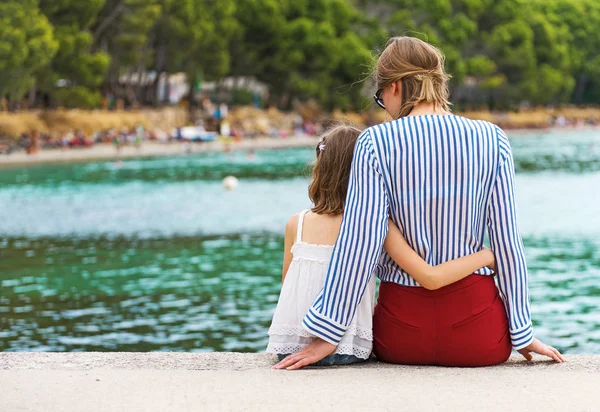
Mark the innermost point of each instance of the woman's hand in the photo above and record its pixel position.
(311, 354)
(538, 347)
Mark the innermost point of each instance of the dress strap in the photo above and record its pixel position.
(300, 224)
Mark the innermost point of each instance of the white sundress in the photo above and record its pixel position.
(303, 283)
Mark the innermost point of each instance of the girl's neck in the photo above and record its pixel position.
(325, 214)
(424, 108)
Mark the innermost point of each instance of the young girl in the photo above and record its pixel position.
(309, 239)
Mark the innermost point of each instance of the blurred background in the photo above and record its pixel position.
(120, 119)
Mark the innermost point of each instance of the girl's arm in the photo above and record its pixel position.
(433, 277)
(290, 235)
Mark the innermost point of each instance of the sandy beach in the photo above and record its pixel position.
(155, 149)
(163, 381)
(150, 149)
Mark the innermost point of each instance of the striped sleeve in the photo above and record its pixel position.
(507, 245)
(357, 249)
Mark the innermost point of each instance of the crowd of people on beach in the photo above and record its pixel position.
(562, 121)
(216, 118)
(35, 141)
(217, 121)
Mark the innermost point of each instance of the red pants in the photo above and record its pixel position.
(462, 324)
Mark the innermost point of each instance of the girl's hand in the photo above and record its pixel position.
(309, 355)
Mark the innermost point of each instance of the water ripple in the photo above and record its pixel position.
(216, 302)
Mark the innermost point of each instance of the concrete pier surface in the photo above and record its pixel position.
(171, 381)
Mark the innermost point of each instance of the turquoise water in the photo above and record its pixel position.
(154, 254)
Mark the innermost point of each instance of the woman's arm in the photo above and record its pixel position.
(432, 277)
(290, 234)
(507, 244)
(351, 266)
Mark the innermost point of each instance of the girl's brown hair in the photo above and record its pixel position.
(331, 170)
(420, 67)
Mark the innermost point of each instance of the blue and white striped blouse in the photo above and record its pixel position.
(442, 179)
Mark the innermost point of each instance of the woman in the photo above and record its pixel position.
(442, 179)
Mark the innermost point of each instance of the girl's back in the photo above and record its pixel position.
(320, 229)
(304, 279)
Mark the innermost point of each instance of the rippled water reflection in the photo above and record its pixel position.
(155, 255)
(139, 295)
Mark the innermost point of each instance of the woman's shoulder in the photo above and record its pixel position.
(470, 126)
(480, 124)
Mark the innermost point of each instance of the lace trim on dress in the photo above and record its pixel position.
(342, 349)
(295, 330)
(324, 260)
(326, 249)
(315, 245)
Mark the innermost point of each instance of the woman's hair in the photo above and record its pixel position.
(420, 67)
(331, 170)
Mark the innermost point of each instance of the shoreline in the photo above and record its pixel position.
(107, 152)
(159, 381)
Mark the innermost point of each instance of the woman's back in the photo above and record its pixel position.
(444, 180)
(440, 171)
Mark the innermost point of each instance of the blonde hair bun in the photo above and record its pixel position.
(420, 67)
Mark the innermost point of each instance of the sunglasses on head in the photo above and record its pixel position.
(378, 99)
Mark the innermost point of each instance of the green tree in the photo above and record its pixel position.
(517, 50)
(259, 41)
(582, 19)
(450, 25)
(75, 68)
(303, 49)
(123, 30)
(27, 45)
(192, 36)
(499, 52)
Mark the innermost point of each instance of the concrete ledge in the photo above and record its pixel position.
(161, 381)
(234, 361)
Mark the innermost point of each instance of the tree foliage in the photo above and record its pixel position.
(500, 53)
(27, 45)
(76, 70)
